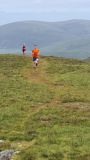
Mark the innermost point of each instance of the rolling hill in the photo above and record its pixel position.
(45, 111)
(68, 38)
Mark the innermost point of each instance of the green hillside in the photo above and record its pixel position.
(65, 38)
(45, 111)
(75, 48)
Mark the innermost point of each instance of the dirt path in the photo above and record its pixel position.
(37, 75)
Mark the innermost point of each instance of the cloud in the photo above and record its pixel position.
(50, 10)
(27, 5)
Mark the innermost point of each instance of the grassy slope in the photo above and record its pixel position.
(44, 112)
(77, 47)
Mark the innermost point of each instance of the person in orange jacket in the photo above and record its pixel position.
(35, 55)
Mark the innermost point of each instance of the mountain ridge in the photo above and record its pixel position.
(72, 37)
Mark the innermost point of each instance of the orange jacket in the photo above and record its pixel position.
(35, 52)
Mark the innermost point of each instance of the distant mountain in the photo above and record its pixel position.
(87, 59)
(68, 38)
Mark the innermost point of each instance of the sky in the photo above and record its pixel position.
(43, 10)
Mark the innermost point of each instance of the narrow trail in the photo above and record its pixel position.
(40, 75)
(37, 75)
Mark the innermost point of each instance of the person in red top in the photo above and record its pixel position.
(23, 49)
(35, 55)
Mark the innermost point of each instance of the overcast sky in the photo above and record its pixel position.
(43, 10)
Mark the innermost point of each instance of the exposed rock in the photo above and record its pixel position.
(6, 155)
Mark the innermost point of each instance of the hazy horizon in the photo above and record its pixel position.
(43, 10)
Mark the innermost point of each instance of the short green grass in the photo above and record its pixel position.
(45, 112)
